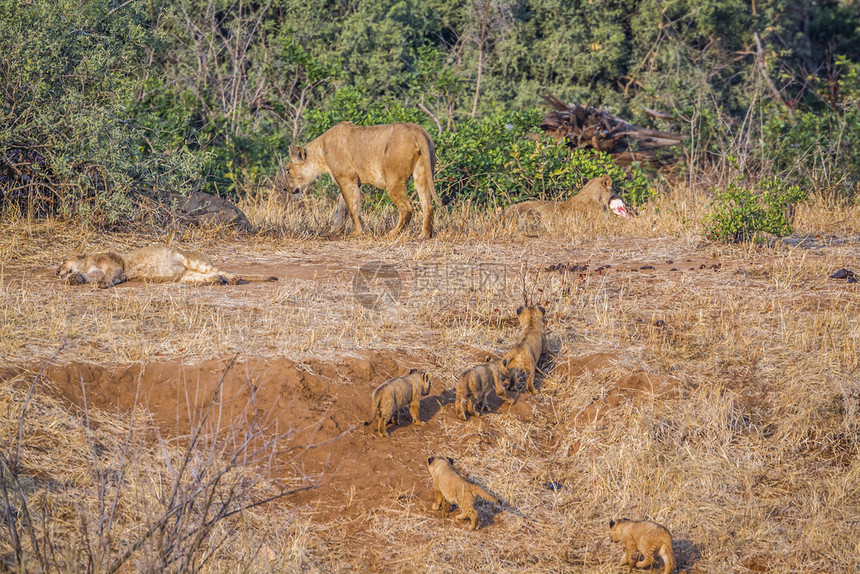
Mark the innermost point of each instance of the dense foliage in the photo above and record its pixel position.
(107, 99)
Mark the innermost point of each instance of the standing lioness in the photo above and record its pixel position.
(449, 487)
(646, 537)
(385, 156)
(395, 394)
(530, 347)
(155, 263)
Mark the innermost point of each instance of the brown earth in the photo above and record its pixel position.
(321, 406)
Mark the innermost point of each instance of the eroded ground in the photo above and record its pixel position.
(711, 388)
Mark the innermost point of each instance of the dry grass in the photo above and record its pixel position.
(751, 459)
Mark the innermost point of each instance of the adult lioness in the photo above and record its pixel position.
(155, 263)
(385, 156)
(596, 196)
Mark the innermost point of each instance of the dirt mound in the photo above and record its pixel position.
(634, 387)
(321, 407)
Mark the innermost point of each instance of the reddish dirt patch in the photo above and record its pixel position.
(633, 387)
(322, 406)
(577, 366)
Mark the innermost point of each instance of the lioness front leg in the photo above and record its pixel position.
(350, 189)
(530, 377)
(501, 391)
(340, 215)
(437, 499)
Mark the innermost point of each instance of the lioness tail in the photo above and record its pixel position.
(260, 278)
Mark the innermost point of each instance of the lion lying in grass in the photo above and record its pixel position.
(596, 197)
(154, 263)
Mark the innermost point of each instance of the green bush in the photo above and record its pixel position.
(501, 160)
(820, 149)
(69, 138)
(740, 213)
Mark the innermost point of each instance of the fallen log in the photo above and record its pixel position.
(596, 128)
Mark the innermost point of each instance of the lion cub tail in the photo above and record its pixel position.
(375, 399)
(483, 493)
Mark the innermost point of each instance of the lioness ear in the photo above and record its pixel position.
(298, 154)
(504, 362)
(607, 180)
(451, 460)
(413, 371)
(520, 310)
(487, 359)
(79, 250)
(611, 523)
(431, 459)
(542, 310)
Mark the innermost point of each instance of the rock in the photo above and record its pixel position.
(204, 209)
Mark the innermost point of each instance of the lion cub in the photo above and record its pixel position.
(451, 488)
(475, 385)
(645, 536)
(530, 347)
(156, 263)
(395, 394)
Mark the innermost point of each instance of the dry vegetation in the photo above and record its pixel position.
(743, 442)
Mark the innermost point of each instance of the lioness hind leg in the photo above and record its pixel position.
(397, 192)
(647, 559)
(472, 517)
(423, 179)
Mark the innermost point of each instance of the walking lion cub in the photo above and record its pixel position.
(451, 488)
(395, 394)
(646, 537)
(154, 263)
(476, 383)
(530, 347)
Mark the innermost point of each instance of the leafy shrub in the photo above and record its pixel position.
(740, 213)
(820, 148)
(500, 160)
(69, 136)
